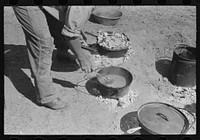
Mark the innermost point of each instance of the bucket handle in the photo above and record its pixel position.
(194, 118)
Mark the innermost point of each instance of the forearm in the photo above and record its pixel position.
(75, 46)
(84, 60)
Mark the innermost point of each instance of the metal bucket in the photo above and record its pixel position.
(182, 71)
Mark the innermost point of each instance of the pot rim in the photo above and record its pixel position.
(128, 84)
(116, 50)
(111, 18)
(186, 121)
(184, 46)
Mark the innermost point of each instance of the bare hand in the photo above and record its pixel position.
(86, 64)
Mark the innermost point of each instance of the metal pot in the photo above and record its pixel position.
(109, 53)
(112, 53)
(105, 51)
(108, 17)
(108, 91)
(161, 118)
(114, 92)
(182, 71)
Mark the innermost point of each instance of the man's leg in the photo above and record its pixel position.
(40, 48)
(55, 27)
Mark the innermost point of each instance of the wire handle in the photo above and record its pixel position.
(87, 77)
(78, 84)
(84, 79)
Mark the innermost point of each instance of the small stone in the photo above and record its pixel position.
(165, 79)
(120, 104)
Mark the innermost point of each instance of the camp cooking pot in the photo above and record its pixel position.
(122, 80)
(116, 53)
(161, 118)
(112, 53)
(119, 87)
(108, 17)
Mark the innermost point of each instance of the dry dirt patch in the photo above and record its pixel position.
(154, 32)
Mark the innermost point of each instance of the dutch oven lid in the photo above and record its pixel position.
(160, 118)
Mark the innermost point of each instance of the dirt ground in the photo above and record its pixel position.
(154, 33)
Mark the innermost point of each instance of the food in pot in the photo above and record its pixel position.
(113, 41)
(117, 81)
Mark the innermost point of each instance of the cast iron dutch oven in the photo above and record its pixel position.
(161, 118)
(119, 87)
(122, 80)
(109, 17)
(106, 51)
(116, 53)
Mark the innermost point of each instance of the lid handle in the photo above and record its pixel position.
(162, 116)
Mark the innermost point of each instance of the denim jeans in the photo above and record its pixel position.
(36, 25)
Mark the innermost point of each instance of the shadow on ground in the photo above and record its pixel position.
(162, 66)
(16, 58)
(129, 121)
(92, 87)
(191, 107)
(64, 66)
(64, 83)
(95, 88)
